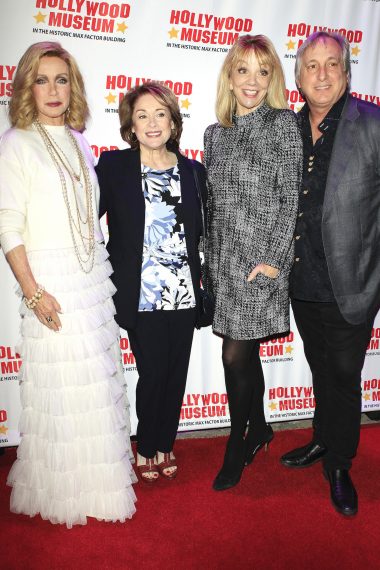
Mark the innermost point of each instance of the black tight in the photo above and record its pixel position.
(245, 387)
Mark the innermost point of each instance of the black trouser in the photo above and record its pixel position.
(335, 351)
(161, 342)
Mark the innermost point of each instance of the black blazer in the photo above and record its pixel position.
(351, 212)
(121, 196)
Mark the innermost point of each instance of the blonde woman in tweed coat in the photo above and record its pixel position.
(253, 158)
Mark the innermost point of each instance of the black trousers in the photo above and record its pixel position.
(161, 343)
(335, 351)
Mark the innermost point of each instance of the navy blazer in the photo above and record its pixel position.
(121, 196)
(351, 212)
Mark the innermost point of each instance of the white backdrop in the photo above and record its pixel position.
(182, 43)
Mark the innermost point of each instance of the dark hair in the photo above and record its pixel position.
(165, 96)
(323, 36)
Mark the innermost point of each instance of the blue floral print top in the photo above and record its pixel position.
(165, 275)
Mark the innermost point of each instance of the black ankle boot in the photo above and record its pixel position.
(255, 442)
(233, 465)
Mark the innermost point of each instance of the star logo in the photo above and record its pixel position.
(122, 27)
(40, 18)
(173, 33)
(366, 396)
(290, 45)
(355, 50)
(272, 406)
(289, 349)
(3, 429)
(185, 104)
(111, 98)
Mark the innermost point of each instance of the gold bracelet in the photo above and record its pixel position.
(33, 301)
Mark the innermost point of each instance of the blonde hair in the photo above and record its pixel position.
(22, 108)
(265, 52)
(165, 96)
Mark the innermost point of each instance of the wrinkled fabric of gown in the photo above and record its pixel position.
(74, 457)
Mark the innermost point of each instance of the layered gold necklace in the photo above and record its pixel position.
(84, 241)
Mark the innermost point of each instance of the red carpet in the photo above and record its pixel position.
(274, 519)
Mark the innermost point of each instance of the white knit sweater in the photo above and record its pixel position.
(32, 207)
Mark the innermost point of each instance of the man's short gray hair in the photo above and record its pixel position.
(322, 36)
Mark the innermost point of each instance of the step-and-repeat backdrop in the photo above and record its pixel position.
(182, 43)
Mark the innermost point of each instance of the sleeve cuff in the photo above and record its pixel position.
(10, 240)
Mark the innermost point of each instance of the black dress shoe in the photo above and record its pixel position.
(374, 416)
(342, 491)
(304, 456)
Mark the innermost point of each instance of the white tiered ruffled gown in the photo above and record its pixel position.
(74, 459)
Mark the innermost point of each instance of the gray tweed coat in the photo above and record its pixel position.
(253, 171)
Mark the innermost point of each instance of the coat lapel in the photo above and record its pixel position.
(343, 146)
(131, 196)
(133, 184)
(189, 201)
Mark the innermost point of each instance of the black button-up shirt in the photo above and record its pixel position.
(309, 279)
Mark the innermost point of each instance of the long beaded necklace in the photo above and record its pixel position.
(61, 162)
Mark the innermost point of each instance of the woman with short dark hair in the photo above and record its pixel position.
(154, 218)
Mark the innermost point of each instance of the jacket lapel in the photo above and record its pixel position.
(132, 173)
(132, 197)
(189, 201)
(343, 146)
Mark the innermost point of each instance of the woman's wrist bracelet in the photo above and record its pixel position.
(33, 301)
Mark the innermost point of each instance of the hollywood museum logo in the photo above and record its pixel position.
(205, 32)
(278, 349)
(117, 85)
(82, 19)
(3, 426)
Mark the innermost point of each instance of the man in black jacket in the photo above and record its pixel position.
(335, 282)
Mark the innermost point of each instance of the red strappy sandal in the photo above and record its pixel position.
(147, 468)
(167, 462)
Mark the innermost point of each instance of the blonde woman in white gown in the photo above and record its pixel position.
(73, 461)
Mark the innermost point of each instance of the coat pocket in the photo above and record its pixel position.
(265, 283)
